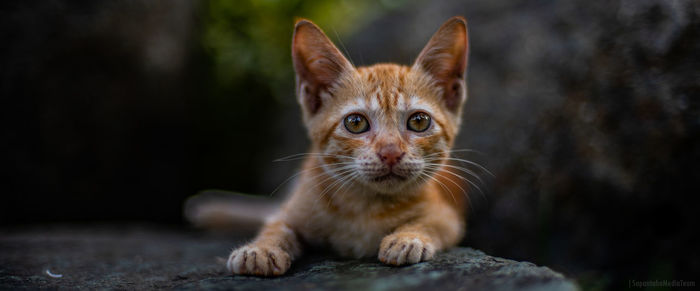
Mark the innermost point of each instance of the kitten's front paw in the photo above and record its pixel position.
(403, 249)
(259, 261)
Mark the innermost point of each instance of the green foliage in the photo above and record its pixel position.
(247, 38)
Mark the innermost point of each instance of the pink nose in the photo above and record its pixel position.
(390, 154)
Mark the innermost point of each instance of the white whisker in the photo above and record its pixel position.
(471, 163)
(304, 171)
(466, 180)
(340, 179)
(301, 156)
(473, 174)
(444, 187)
(349, 179)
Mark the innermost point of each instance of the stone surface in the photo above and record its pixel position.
(122, 257)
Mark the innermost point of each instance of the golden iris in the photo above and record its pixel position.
(356, 123)
(419, 122)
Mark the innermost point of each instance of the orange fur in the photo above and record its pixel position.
(380, 192)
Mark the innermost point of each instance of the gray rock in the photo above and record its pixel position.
(457, 269)
(146, 258)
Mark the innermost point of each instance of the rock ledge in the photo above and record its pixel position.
(146, 258)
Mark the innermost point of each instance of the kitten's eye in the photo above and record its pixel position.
(356, 123)
(419, 121)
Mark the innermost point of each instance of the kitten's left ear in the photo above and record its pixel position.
(445, 59)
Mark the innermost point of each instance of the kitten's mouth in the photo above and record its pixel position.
(388, 177)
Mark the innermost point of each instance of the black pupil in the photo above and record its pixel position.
(420, 118)
(354, 120)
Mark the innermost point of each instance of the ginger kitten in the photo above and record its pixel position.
(374, 183)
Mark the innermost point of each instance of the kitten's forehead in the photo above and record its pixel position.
(404, 103)
(386, 89)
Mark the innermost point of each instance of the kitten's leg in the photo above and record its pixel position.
(270, 254)
(418, 240)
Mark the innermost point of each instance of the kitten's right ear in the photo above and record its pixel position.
(445, 59)
(317, 62)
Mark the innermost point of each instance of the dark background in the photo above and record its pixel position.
(586, 112)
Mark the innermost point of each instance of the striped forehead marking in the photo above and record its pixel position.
(372, 104)
(401, 101)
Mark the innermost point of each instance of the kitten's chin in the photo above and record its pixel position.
(391, 183)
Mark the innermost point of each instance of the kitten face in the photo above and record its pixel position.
(386, 127)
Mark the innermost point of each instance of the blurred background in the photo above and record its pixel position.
(586, 112)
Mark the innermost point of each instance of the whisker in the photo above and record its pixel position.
(456, 151)
(320, 196)
(473, 174)
(330, 176)
(349, 179)
(468, 181)
(336, 182)
(338, 174)
(482, 168)
(300, 156)
(304, 171)
(341, 171)
(453, 182)
(473, 163)
(344, 48)
(443, 187)
(465, 193)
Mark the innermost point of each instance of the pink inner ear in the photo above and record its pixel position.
(317, 62)
(445, 59)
